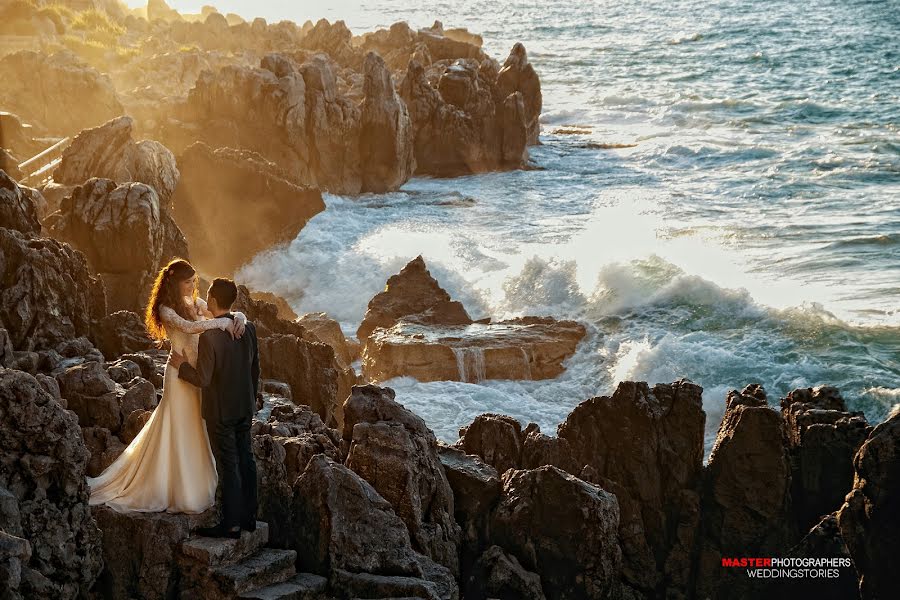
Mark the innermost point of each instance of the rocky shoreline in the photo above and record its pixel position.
(359, 497)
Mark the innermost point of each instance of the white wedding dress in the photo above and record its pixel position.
(169, 466)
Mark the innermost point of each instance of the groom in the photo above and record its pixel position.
(228, 372)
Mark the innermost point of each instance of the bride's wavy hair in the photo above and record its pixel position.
(165, 293)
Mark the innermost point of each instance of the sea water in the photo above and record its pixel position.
(717, 197)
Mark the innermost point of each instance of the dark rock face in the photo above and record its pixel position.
(125, 234)
(869, 521)
(499, 575)
(17, 210)
(497, 439)
(746, 497)
(45, 502)
(415, 295)
(477, 118)
(47, 293)
(399, 458)
(823, 439)
(224, 190)
(656, 436)
(59, 93)
(347, 529)
(109, 152)
(576, 553)
(121, 332)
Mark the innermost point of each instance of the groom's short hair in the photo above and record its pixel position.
(224, 291)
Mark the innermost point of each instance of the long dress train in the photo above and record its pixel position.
(169, 466)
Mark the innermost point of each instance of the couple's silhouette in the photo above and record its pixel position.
(199, 435)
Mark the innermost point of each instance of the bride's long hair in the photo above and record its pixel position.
(166, 293)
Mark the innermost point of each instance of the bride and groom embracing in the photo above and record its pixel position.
(199, 433)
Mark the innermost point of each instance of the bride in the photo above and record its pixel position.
(169, 466)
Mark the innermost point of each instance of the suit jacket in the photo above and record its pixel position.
(228, 373)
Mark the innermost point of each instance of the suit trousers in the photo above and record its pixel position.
(230, 441)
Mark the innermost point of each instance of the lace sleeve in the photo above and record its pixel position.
(170, 318)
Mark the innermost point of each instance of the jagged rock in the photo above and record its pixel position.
(398, 456)
(17, 208)
(225, 190)
(823, 439)
(656, 436)
(497, 439)
(6, 349)
(140, 551)
(266, 315)
(412, 292)
(159, 10)
(42, 465)
(869, 521)
(110, 152)
(150, 370)
(521, 348)
(133, 424)
(47, 293)
(275, 496)
(59, 92)
(400, 43)
(328, 331)
(125, 234)
(121, 332)
(746, 499)
(351, 534)
(333, 39)
(104, 448)
(576, 553)
(539, 449)
(473, 120)
(499, 575)
(386, 135)
(15, 552)
(302, 434)
(284, 309)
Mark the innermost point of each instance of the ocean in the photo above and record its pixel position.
(716, 196)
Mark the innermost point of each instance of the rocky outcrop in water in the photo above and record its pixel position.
(125, 233)
(60, 93)
(110, 152)
(50, 542)
(242, 196)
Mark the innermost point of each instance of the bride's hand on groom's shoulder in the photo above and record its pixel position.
(236, 328)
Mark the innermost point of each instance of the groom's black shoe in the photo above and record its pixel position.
(219, 531)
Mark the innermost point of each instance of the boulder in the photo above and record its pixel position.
(60, 93)
(110, 152)
(656, 437)
(104, 448)
(523, 348)
(386, 135)
(393, 449)
(47, 293)
(224, 190)
(411, 292)
(17, 208)
(496, 439)
(868, 519)
(122, 332)
(518, 75)
(746, 497)
(125, 234)
(42, 468)
(352, 535)
(496, 574)
(576, 553)
(328, 331)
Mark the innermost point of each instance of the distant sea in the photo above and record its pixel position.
(718, 198)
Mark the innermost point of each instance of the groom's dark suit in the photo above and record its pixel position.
(228, 372)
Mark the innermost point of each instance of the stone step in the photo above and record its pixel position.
(267, 567)
(304, 586)
(223, 551)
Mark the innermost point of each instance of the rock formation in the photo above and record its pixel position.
(59, 93)
(43, 494)
(241, 193)
(125, 234)
(108, 151)
(17, 207)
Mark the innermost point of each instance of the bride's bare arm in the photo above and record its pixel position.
(170, 318)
